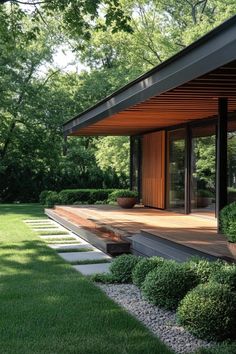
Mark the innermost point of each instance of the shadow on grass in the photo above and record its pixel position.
(47, 307)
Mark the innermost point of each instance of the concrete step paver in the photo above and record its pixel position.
(92, 254)
(89, 269)
(83, 256)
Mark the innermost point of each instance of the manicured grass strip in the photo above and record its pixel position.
(59, 240)
(56, 232)
(45, 227)
(64, 241)
(49, 308)
(66, 250)
(91, 261)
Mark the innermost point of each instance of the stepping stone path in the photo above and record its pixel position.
(86, 252)
(89, 269)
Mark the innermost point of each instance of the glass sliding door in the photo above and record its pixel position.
(176, 170)
(203, 169)
(231, 161)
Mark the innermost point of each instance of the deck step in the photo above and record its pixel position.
(106, 245)
(148, 245)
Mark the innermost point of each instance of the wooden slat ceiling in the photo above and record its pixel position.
(197, 99)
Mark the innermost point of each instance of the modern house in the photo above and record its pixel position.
(181, 119)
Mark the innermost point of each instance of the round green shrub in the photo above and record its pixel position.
(226, 275)
(227, 221)
(122, 267)
(143, 267)
(52, 198)
(168, 285)
(209, 311)
(203, 268)
(221, 348)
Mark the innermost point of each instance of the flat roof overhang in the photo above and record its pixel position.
(184, 88)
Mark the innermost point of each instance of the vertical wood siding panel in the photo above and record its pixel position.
(153, 169)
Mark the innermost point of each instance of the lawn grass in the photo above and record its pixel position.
(59, 240)
(52, 232)
(46, 307)
(67, 241)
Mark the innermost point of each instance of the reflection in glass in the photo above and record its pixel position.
(231, 161)
(176, 170)
(203, 169)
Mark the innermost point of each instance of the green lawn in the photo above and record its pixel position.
(46, 307)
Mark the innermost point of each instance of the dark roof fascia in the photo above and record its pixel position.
(216, 48)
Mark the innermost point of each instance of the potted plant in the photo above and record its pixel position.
(204, 198)
(125, 198)
(228, 226)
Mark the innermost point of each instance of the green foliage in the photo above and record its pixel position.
(51, 199)
(145, 266)
(223, 348)
(204, 193)
(203, 268)
(227, 221)
(226, 275)
(168, 285)
(43, 196)
(122, 267)
(71, 196)
(103, 278)
(124, 193)
(113, 153)
(208, 311)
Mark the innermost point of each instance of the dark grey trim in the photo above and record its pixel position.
(221, 155)
(215, 49)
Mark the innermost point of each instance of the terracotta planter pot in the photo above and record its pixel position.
(232, 248)
(127, 202)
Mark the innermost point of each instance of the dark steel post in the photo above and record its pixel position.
(188, 152)
(221, 163)
(139, 157)
(131, 164)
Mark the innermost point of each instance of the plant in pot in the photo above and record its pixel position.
(125, 198)
(228, 225)
(204, 198)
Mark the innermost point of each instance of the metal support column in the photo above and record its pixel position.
(221, 162)
(131, 163)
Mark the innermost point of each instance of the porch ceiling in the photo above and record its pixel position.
(185, 88)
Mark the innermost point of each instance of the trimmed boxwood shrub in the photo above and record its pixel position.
(167, 286)
(51, 199)
(145, 266)
(203, 268)
(224, 348)
(42, 197)
(122, 267)
(227, 221)
(209, 311)
(226, 275)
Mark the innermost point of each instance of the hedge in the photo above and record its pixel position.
(145, 266)
(72, 196)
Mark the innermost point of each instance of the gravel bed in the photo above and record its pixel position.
(161, 322)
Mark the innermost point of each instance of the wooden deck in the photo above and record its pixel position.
(196, 232)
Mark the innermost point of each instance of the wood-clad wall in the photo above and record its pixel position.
(153, 170)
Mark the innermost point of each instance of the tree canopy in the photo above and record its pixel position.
(116, 41)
